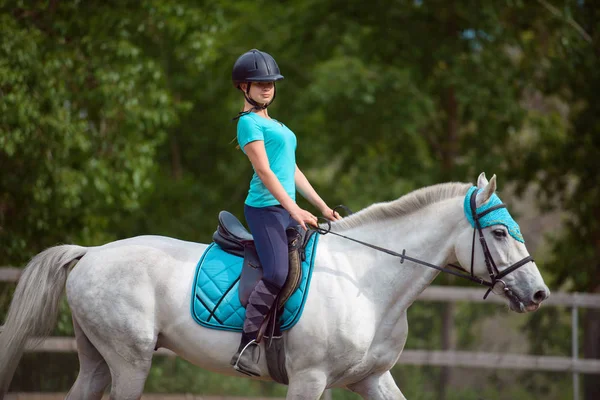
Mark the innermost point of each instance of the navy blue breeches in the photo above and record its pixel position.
(268, 225)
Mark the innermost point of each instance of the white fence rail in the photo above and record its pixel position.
(10, 274)
(475, 295)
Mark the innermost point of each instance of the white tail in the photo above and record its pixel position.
(34, 307)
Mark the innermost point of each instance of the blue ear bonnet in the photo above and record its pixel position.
(500, 216)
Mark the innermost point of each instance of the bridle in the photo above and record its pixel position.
(495, 275)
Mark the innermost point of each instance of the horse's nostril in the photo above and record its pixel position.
(540, 296)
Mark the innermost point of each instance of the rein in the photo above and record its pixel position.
(495, 275)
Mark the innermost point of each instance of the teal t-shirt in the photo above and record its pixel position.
(280, 145)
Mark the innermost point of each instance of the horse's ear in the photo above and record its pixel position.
(488, 190)
(481, 181)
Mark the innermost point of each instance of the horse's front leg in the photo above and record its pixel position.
(307, 385)
(378, 387)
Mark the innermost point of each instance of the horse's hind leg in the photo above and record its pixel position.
(94, 375)
(129, 379)
(307, 385)
(378, 387)
(129, 368)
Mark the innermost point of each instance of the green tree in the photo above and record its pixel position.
(86, 99)
(562, 52)
(83, 110)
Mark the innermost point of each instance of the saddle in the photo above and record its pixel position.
(235, 239)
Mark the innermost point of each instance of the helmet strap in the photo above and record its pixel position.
(256, 105)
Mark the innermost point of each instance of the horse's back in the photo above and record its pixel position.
(134, 258)
(130, 263)
(179, 249)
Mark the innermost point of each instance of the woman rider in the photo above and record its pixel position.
(270, 206)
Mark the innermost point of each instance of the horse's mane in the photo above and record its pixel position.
(406, 204)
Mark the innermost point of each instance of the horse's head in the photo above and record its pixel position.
(492, 247)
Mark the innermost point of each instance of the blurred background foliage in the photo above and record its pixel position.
(115, 121)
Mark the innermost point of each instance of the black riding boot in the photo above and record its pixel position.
(260, 302)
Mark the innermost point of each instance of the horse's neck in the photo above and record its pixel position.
(426, 235)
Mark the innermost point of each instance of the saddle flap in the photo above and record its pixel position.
(294, 237)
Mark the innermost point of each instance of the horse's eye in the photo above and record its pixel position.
(499, 233)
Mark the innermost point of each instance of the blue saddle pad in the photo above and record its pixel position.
(215, 299)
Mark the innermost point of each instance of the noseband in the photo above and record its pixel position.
(495, 275)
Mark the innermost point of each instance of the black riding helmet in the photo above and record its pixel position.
(255, 66)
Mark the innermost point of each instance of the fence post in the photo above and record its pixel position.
(575, 348)
(448, 343)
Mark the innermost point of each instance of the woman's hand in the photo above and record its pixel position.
(303, 217)
(329, 214)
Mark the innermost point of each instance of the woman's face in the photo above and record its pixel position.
(261, 92)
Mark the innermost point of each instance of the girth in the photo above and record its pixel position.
(234, 238)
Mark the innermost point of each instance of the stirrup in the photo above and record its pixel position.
(241, 368)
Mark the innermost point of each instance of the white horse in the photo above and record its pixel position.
(132, 296)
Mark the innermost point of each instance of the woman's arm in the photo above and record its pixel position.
(310, 194)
